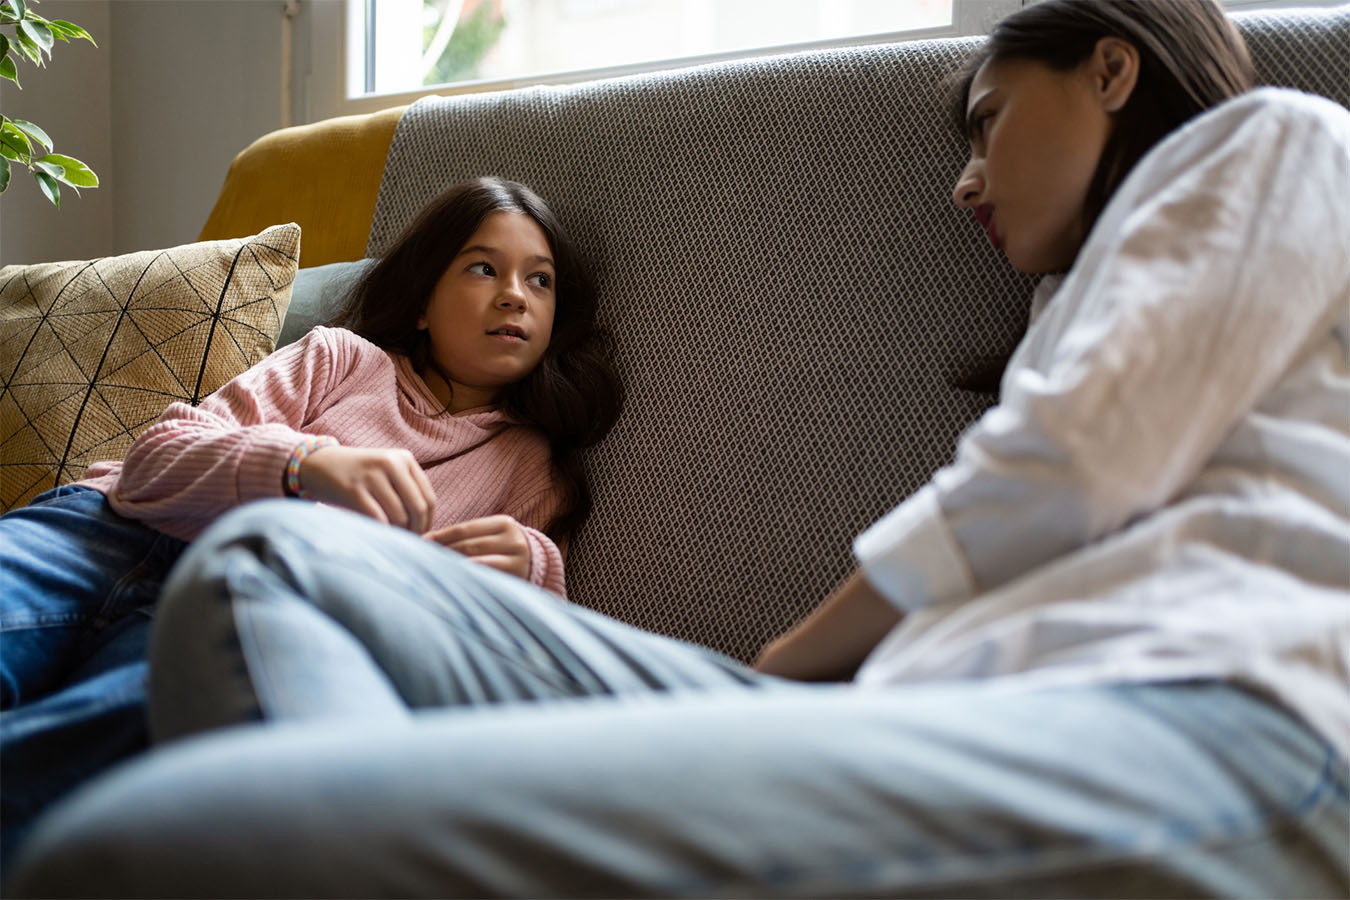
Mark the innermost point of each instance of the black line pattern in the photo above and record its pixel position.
(94, 351)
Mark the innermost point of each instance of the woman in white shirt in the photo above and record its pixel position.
(1105, 652)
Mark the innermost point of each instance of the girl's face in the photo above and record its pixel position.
(491, 313)
(1037, 136)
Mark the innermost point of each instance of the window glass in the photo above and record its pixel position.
(410, 44)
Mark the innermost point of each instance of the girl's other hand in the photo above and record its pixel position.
(387, 485)
(496, 541)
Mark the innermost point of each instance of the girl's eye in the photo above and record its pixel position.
(980, 124)
(482, 268)
(541, 279)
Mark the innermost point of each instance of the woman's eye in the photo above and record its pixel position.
(482, 268)
(541, 279)
(981, 123)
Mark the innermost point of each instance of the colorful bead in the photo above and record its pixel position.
(297, 458)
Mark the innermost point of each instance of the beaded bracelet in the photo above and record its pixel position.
(297, 457)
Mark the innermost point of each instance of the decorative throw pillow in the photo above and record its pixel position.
(92, 352)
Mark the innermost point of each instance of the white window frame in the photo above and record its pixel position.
(322, 93)
(331, 21)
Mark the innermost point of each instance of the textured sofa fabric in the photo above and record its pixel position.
(804, 321)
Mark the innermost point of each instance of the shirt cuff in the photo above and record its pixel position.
(262, 463)
(909, 556)
(546, 562)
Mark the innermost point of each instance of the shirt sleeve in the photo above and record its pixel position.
(1224, 254)
(195, 463)
(533, 500)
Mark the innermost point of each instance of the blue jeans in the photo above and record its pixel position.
(77, 583)
(352, 711)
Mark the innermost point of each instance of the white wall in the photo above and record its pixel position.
(173, 91)
(70, 99)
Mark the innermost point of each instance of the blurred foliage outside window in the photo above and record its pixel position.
(502, 40)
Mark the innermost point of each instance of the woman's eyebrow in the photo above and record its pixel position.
(970, 111)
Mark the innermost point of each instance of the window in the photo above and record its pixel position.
(398, 46)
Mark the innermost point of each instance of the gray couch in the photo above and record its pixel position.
(804, 321)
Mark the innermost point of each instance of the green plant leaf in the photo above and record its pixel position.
(17, 141)
(11, 11)
(33, 133)
(39, 33)
(77, 174)
(57, 33)
(4, 174)
(4, 45)
(9, 70)
(49, 187)
(71, 29)
(10, 153)
(50, 168)
(30, 49)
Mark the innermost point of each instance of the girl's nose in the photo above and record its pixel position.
(968, 186)
(512, 296)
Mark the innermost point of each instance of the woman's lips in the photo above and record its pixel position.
(985, 214)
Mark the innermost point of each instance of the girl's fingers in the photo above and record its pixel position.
(428, 494)
(480, 546)
(365, 504)
(384, 493)
(506, 564)
(473, 528)
(412, 499)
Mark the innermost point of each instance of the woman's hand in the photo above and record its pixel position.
(496, 541)
(832, 642)
(387, 485)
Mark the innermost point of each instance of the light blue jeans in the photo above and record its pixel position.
(399, 721)
(77, 586)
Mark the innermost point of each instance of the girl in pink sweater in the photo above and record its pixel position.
(464, 376)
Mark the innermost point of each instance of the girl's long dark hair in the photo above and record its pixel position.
(1191, 58)
(573, 395)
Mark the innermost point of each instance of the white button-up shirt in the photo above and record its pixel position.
(1163, 491)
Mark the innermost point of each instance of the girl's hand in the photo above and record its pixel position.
(497, 541)
(387, 485)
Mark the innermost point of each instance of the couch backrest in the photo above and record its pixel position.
(804, 322)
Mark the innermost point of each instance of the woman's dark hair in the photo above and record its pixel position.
(573, 395)
(1191, 58)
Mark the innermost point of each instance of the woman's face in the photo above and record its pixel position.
(1036, 138)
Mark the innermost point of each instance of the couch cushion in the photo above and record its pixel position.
(318, 295)
(93, 351)
(798, 309)
(321, 176)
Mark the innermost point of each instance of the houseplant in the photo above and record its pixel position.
(23, 142)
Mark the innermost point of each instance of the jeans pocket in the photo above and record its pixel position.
(57, 493)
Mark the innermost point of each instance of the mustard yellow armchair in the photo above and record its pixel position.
(324, 176)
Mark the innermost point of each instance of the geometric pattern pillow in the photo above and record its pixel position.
(91, 352)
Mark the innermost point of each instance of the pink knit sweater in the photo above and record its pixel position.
(196, 463)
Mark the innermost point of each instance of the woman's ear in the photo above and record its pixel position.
(1115, 70)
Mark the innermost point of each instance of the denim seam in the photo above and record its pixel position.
(135, 575)
(44, 620)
